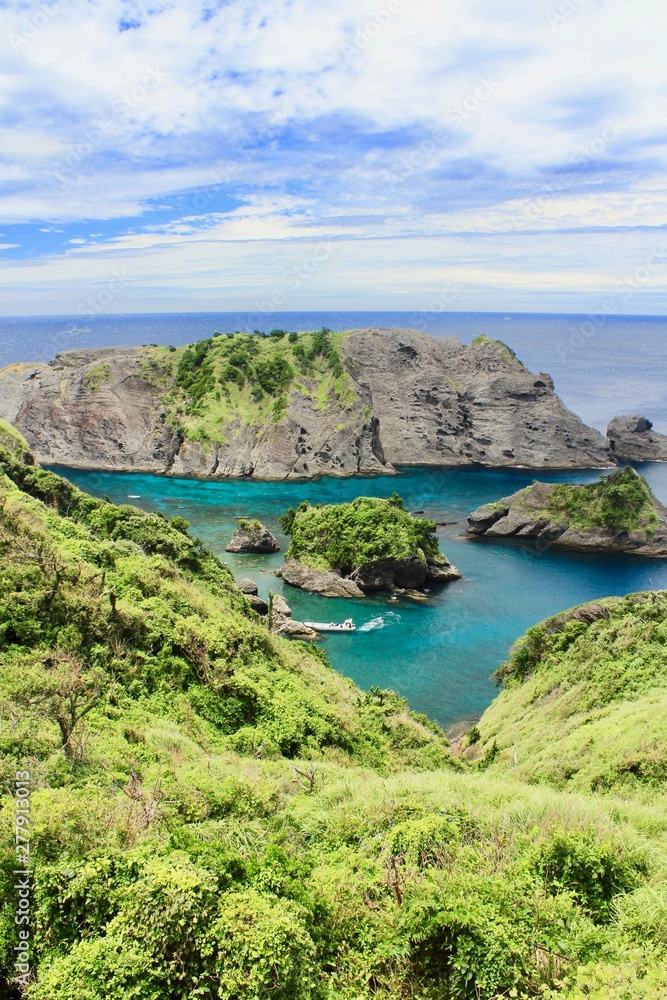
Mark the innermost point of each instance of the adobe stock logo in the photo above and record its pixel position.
(31, 26)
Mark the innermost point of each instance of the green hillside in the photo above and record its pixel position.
(217, 814)
(584, 700)
(234, 380)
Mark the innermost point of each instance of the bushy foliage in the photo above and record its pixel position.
(321, 346)
(243, 379)
(621, 501)
(216, 814)
(584, 697)
(195, 371)
(348, 535)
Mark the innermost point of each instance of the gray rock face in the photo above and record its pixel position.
(524, 516)
(421, 400)
(258, 604)
(295, 630)
(383, 574)
(283, 624)
(404, 574)
(90, 409)
(251, 536)
(634, 439)
(440, 570)
(441, 403)
(247, 586)
(281, 607)
(318, 581)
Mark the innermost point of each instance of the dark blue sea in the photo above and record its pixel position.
(440, 655)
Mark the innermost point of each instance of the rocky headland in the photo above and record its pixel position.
(296, 406)
(617, 514)
(349, 549)
(633, 439)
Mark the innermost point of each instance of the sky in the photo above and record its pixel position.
(333, 154)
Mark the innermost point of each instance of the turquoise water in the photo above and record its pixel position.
(440, 655)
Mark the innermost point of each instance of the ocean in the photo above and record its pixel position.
(440, 656)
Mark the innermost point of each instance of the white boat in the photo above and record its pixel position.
(134, 496)
(346, 626)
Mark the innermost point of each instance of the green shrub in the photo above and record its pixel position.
(594, 871)
(346, 536)
(621, 501)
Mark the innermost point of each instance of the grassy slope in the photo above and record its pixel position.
(215, 387)
(585, 699)
(183, 849)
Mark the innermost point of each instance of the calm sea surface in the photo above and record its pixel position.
(441, 655)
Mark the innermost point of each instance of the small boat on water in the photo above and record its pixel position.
(134, 496)
(346, 626)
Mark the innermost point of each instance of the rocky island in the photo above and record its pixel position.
(617, 514)
(348, 549)
(286, 406)
(252, 536)
(633, 439)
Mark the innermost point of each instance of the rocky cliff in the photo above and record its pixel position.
(619, 514)
(633, 439)
(239, 406)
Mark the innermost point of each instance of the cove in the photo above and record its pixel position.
(439, 655)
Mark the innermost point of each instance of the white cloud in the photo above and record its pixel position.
(306, 113)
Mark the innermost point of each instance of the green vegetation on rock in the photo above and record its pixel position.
(246, 379)
(97, 376)
(346, 536)
(504, 350)
(620, 501)
(217, 814)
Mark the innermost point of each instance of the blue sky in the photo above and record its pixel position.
(331, 154)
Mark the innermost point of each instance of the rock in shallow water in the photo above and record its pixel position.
(252, 536)
(382, 574)
(318, 581)
(539, 514)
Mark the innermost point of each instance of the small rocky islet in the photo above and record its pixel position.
(370, 544)
(617, 514)
(251, 535)
(632, 439)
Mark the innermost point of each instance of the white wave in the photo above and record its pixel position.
(380, 622)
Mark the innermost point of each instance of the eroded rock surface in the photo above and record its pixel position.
(252, 536)
(420, 400)
(405, 575)
(318, 581)
(633, 439)
(283, 624)
(525, 515)
(440, 402)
